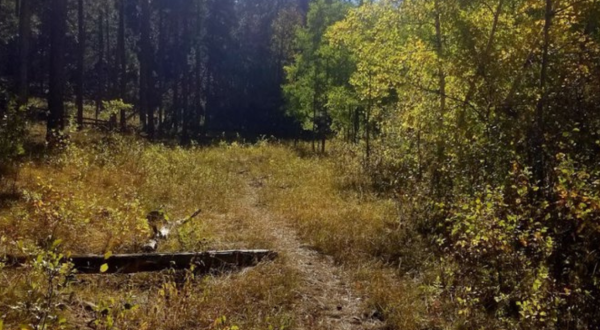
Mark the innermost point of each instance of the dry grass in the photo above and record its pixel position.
(94, 197)
(331, 203)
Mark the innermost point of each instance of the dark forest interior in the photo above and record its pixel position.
(191, 68)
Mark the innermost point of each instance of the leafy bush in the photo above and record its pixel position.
(530, 260)
(12, 134)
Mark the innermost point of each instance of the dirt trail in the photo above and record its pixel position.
(325, 297)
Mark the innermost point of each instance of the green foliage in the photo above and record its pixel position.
(529, 255)
(468, 103)
(12, 134)
(114, 107)
(317, 88)
(45, 289)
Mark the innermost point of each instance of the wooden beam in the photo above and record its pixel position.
(203, 262)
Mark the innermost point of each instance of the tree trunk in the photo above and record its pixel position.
(146, 115)
(356, 124)
(80, 62)
(439, 46)
(122, 62)
(368, 121)
(481, 64)
(539, 129)
(314, 109)
(100, 67)
(110, 70)
(110, 82)
(199, 113)
(24, 46)
(178, 88)
(440, 52)
(161, 69)
(57, 50)
(176, 105)
(184, 44)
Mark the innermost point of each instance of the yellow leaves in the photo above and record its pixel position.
(563, 194)
(104, 268)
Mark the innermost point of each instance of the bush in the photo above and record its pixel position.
(12, 135)
(527, 259)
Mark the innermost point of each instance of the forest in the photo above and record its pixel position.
(407, 164)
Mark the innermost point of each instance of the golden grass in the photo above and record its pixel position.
(94, 197)
(329, 200)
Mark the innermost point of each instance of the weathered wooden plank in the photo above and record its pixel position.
(203, 262)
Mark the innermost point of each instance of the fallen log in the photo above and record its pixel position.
(203, 262)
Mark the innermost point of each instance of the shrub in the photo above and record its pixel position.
(528, 257)
(12, 134)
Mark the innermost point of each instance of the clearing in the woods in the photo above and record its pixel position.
(333, 236)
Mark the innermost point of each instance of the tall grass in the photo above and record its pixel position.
(93, 197)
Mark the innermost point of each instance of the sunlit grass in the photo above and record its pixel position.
(94, 197)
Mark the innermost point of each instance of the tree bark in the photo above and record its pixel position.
(368, 120)
(80, 61)
(56, 73)
(185, 45)
(539, 129)
(112, 81)
(439, 46)
(146, 115)
(199, 111)
(100, 67)
(24, 49)
(314, 109)
(122, 62)
(356, 137)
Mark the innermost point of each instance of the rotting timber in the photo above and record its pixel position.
(150, 261)
(201, 262)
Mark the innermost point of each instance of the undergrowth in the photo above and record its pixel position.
(92, 196)
(418, 264)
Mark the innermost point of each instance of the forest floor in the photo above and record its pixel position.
(344, 260)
